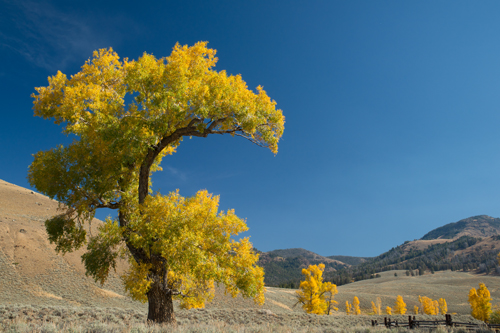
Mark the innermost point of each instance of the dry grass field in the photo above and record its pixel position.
(100, 320)
(41, 291)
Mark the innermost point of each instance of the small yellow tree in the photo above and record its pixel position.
(480, 302)
(374, 308)
(355, 304)
(443, 307)
(315, 295)
(400, 305)
(330, 290)
(348, 307)
(379, 305)
(415, 310)
(388, 310)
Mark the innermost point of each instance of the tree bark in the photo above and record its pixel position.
(161, 305)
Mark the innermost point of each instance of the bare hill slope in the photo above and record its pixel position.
(30, 269)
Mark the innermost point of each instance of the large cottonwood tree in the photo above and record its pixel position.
(126, 116)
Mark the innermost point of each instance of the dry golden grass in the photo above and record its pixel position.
(99, 320)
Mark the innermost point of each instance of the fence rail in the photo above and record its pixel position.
(413, 323)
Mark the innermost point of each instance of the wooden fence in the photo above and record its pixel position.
(413, 323)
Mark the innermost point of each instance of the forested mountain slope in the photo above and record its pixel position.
(284, 267)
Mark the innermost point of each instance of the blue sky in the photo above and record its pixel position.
(392, 108)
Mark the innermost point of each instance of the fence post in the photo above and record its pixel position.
(410, 323)
(448, 320)
(385, 322)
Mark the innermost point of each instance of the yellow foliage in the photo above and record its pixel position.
(415, 310)
(443, 307)
(197, 240)
(374, 308)
(136, 281)
(388, 310)
(315, 295)
(428, 306)
(379, 305)
(436, 307)
(348, 307)
(480, 302)
(168, 93)
(355, 304)
(329, 294)
(400, 305)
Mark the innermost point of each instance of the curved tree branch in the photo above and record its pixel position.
(154, 151)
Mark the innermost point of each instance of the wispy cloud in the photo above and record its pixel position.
(49, 37)
(176, 173)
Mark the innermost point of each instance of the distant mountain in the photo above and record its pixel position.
(353, 261)
(475, 226)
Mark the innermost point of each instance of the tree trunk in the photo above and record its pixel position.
(161, 306)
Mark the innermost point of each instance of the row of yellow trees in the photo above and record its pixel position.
(317, 297)
(428, 306)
